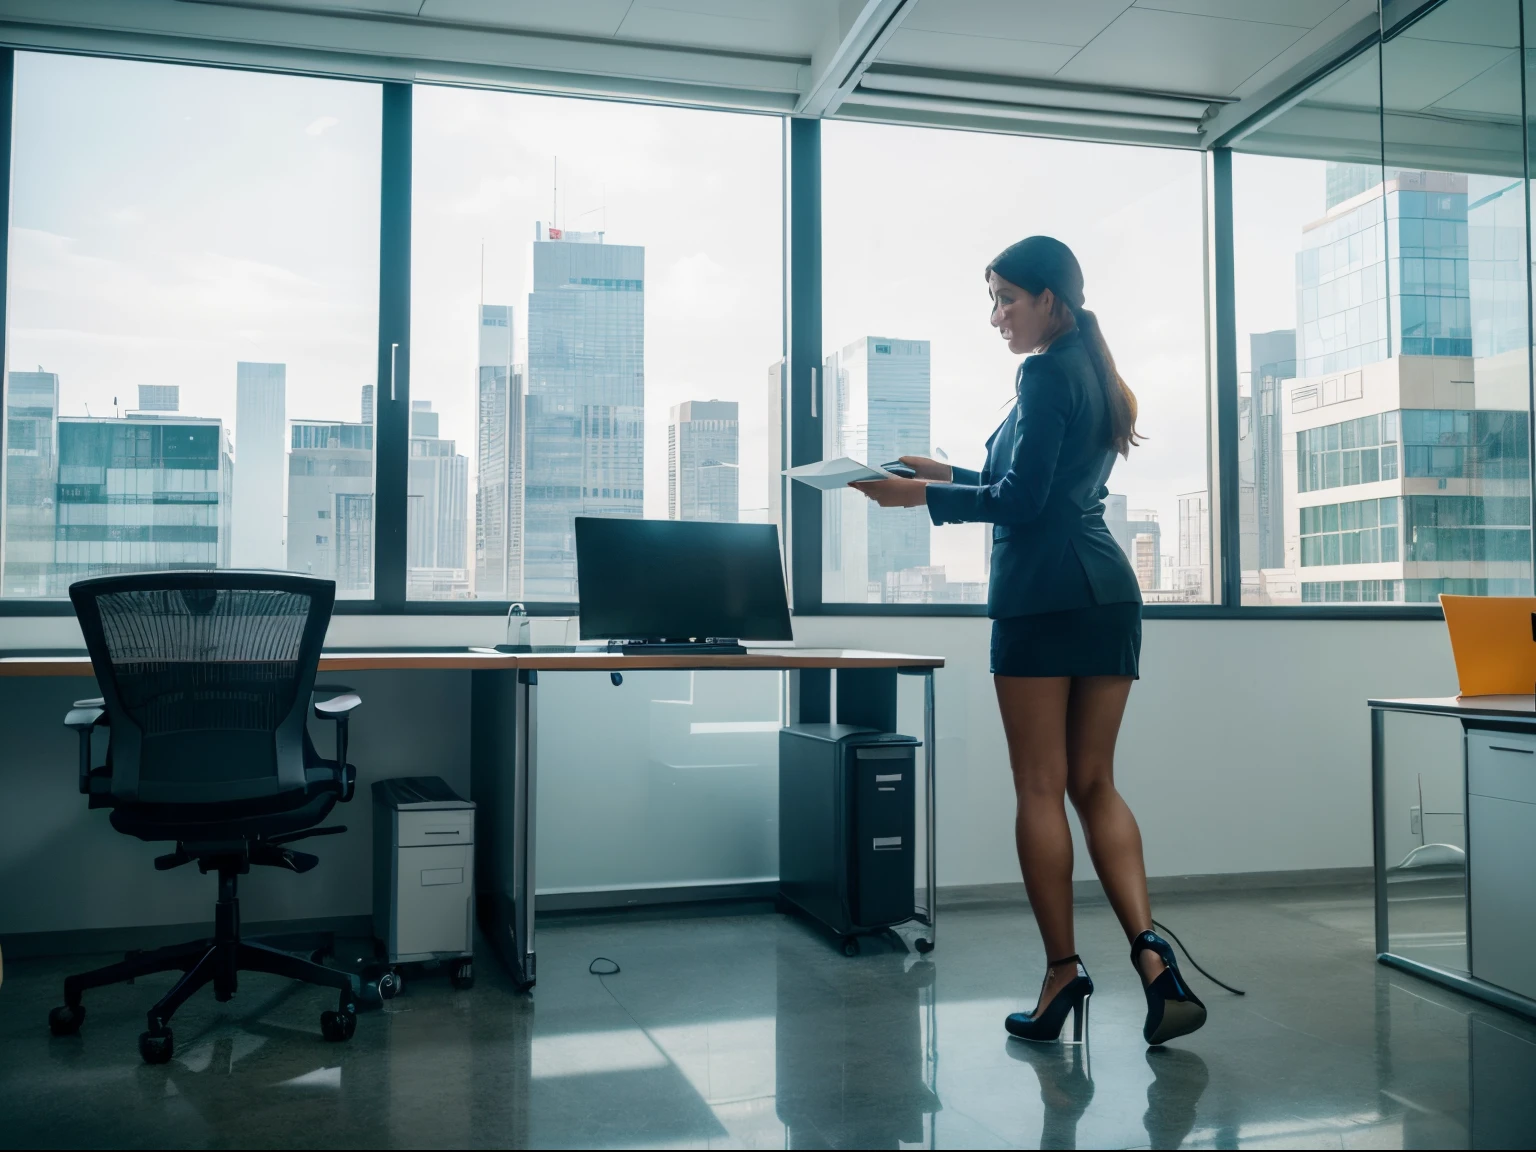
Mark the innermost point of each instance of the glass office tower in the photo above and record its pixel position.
(1405, 430)
(704, 461)
(145, 492)
(436, 515)
(31, 463)
(260, 427)
(877, 395)
(330, 501)
(498, 460)
(1140, 537)
(585, 424)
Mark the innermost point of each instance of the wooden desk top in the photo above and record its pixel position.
(472, 659)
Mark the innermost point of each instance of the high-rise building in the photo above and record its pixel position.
(1405, 433)
(145, 492)
(367, 403)
(703, 461)
(159, 397)
(260, 435)
(437, 507)
(584, 431)
(876, 392)
(1272, 356)
(1192, 572)
(1140, 537)
(30, 476)
(330, 502)
(498, 461)
(778, 483)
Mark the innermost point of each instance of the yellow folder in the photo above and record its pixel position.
(1493, 639)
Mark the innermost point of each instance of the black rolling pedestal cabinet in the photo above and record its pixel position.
(847, 826)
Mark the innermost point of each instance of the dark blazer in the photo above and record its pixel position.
(1043, 489)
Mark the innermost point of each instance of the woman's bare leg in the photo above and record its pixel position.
(1034, 711)
(1094, 711)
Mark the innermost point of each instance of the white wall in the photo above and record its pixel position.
(1245, 749)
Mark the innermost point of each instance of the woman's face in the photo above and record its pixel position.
(1025, 321)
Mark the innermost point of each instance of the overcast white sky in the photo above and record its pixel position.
(168, 222)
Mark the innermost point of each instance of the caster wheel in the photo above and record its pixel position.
(338, 1026)
(66, 1019)
(464, 976)
(156, 1047)
(390, 985)
(850, 945)
(925, 946)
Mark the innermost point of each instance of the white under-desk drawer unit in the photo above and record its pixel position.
(1501, 856)
(424, 870)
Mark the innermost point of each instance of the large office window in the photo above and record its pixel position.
(192, 323)
(1383, 328)
(910, 218)
(597, 308)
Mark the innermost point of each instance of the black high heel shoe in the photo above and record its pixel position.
(1172, 1007)
(1046, 1024)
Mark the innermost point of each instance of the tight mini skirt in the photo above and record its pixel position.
(1101, 640)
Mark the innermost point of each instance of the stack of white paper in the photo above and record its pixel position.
(830, 475)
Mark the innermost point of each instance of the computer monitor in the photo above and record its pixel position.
(679, 580)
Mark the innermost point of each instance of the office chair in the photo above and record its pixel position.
(205, 681)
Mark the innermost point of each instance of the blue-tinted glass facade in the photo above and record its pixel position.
(1352, 311)
(585, 427)
(1439, 443)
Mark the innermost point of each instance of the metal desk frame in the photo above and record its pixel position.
(1519, 710)
(522, 957)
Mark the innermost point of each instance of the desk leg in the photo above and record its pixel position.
(1379, 824)
(930, 756)
(525, 784)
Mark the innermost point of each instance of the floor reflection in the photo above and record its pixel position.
(852, 1065)
(1066, 1088)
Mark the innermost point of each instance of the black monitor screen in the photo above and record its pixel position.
(679, 580)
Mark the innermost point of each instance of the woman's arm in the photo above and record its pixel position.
(1045, 406)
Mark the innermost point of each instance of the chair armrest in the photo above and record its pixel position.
(84, 716)
(337, 707)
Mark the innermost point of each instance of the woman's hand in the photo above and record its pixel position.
(896, 493)
(927, 469)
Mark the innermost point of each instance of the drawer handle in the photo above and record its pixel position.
(1507, 748)
(444, 832)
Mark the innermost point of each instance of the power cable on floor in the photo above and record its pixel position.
(1195, 963)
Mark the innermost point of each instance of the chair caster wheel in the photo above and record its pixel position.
(464, 976)
(65, 1020)
(156, 1047)
(338, 1026)
(391, 984)
(924, 946)
(850, 945)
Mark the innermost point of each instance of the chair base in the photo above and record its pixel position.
(217, 961)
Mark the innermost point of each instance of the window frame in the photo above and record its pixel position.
(801, 418)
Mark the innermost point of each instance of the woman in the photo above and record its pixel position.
(1066, 631)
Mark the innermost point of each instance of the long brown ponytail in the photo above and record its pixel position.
(1122, 401)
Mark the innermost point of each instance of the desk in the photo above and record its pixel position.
(848, 686)
(1499, 803)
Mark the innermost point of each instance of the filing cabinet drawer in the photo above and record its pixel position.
(1502, 765)
(419, 829)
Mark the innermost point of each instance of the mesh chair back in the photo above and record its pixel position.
(206, 678)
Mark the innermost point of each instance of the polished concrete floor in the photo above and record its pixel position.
(753, 1031)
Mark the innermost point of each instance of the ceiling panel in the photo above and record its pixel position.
(1418, 73)
(1296, 13)
(386, 7)
(786, 27)
(1496, 92)
(1043, 21)
(975, 53)
(573, 17)
(1461, 23)
(1176, 52)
